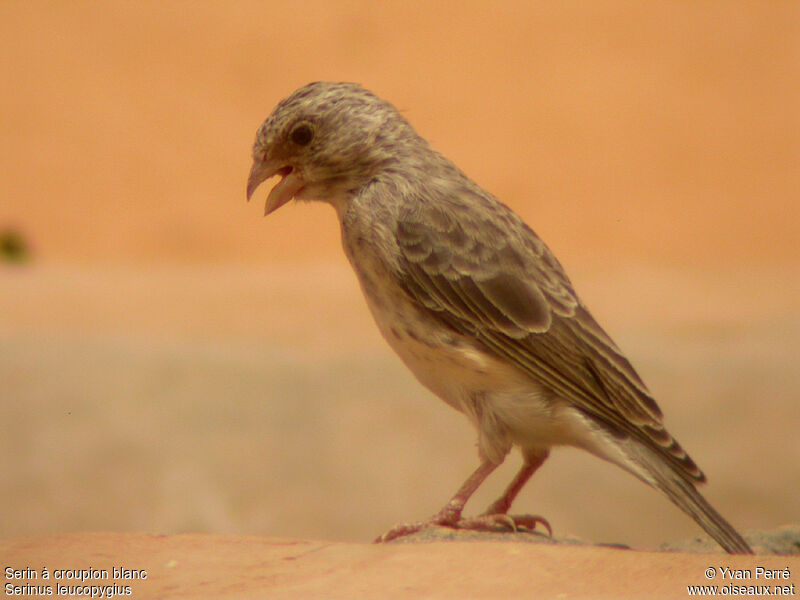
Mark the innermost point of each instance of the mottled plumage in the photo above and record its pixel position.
(472, 301)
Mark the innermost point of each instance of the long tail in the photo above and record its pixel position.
(682, 492)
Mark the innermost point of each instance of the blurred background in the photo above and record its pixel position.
(170, 361)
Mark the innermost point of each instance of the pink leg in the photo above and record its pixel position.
(450, 515)
(503, 503)
(497, 513)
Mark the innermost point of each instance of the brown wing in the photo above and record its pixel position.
(484, 273)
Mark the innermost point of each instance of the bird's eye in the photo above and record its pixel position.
(302, 134)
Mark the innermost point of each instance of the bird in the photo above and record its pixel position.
(473, 302)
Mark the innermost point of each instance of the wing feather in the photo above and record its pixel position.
(505, 288)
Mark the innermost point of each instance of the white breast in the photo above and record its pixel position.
(503, 402)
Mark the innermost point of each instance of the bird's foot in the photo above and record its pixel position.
(403, 530)
(484, 522)
(504, 522)
(445, 518)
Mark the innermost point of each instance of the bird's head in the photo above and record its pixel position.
(326, 141)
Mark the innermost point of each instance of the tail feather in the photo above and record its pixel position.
(682, 492)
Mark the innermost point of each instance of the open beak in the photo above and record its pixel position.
(286, 189)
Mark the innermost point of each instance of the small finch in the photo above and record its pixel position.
(473, 302)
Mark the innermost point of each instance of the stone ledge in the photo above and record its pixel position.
(239, 567)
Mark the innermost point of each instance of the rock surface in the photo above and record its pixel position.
(215, 566)
(782, 540)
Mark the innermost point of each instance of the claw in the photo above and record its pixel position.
(400, 531)
(491, 522)
(510, 522)
(530, 521)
